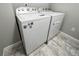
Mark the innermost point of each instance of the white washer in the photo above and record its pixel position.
(34, 29)
(55, 23)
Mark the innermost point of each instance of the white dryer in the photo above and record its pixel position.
(55, 22)
(33, 28)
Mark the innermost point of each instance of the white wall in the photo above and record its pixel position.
(8, 30)
(71, 19)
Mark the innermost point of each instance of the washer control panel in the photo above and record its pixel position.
(26, 10)
(30, 24)
(22, 10)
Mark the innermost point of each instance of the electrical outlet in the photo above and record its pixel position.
(73, 29)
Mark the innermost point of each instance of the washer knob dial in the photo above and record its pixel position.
(25, 26)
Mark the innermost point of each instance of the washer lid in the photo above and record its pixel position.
(31, 17)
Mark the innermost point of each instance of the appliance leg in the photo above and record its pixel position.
(46, 42)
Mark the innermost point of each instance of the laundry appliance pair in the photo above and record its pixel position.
(37, 26)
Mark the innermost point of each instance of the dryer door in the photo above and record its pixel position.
(55, 25)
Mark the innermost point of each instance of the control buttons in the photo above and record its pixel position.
(22, 10)
(42, 15)
(25, 4)
(35, 9)
(28, 23)
(28, 9)
(25, 26)
(30, 26)
(31, 23)
(32, 9)
(43, 8)
(18, 10)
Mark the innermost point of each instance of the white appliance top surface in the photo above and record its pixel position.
(51, 13)
(28, 17)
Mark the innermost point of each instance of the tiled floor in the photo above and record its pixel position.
(61, 45)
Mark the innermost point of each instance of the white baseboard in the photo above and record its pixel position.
(69, 35)
(10, 46)
(71, 40)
